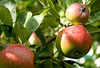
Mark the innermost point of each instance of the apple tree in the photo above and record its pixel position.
(60, 33)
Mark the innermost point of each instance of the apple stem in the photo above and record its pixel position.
(84, 9)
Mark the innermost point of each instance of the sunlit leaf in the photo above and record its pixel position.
(11, 5)
(34, 22)
(23, 17)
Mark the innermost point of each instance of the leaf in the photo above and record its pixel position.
(44, 55)
(3, 2)
(37, 60)
(23, 17)
(7, 30)
(92, 29)
(51, 21)
(76, 65)
(55, 65)
(65, 65)
(11, 5)
(40, 36)
(48, 63)
(34, 22)
(54, 13)
(62, 4)
(91, 2)
(22, 32)
(95, 6)
(69, 2)
(43, 2)
(39, 66)
(97, 16)
(43, 49)
(5, 17)
(51, 4)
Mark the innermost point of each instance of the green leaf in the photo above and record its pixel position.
(43, 49)
(11, 5)
(48, 63)
(62, 4)
(51, 4)
(37, 60)
(76, 65)
(54, 13)
(97, 16)
(39, 66)
(45, 11)
(5, 17)
(51, 21)
(65, 65)
(55, 65)
(3, 2)
(22, 32)
(91, 2)
(44, 54)
(43, 2)
(40, 36)
(34, 22)
(69, 2)
(23, 17)
(95, 6)
(92, 29)
(7, 30)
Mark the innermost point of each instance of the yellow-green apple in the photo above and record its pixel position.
(77, 13)
(17, 56)
(74, 41)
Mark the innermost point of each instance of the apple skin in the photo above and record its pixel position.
(74, 41)
(33, 40)
(17, 56)
(77, 13)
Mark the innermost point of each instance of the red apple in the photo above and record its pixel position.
(74, 41)
(77, 13)
(17, 56)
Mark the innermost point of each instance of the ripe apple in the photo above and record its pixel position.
(17, 56)
(74, 41)
(77, 13)
(33, 40)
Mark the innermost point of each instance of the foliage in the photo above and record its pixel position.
(20, 18)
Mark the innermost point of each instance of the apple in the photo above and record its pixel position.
(17, 56)
(74, 41)
(77, 13)
(33, 40)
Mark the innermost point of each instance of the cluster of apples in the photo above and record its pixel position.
(75, 41)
